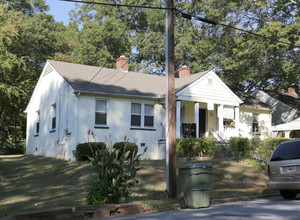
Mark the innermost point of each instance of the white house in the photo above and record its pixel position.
(71, 98)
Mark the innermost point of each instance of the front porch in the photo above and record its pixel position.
(198, 119)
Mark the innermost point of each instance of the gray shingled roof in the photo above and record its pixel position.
(249, 101)
(98, 80)
(287, 98)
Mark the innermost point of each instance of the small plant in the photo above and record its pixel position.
(265, 149)
(209, 146)
(239, 146)
(122, 146)
(116, 172)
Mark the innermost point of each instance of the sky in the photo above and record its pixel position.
(60, 9)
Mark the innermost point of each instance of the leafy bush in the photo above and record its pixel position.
(188, 147)
(193, 147)
(126, 146)
(116, 168)
(97, 193)
(86, 150)
(209, 146)
(239, 146)
(267, 147)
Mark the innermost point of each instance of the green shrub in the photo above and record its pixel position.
(188, 147)
(116, 174)
(193, 147)
(267, 147)
(97, 193)
(239, 146)
(126, 146)
(86, 150)
(209, 146)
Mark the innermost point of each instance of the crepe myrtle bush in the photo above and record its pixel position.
(116, 173)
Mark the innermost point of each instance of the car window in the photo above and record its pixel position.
(287, 151)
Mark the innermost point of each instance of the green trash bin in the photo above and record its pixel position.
(194, 183)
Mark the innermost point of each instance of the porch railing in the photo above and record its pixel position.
(218, 138)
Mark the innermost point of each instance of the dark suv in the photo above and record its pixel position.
(284, 169)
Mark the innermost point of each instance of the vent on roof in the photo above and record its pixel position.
(48, 69)
(210, 82)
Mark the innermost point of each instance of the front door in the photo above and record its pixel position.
(202, 122)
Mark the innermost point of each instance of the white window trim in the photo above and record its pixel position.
(53, 114)
(258, 123)
(37, 121)
(142, 115)
(107, 113)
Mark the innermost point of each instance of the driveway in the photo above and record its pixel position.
(273, 208)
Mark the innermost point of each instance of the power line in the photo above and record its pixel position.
(118, 5)
(189, 17)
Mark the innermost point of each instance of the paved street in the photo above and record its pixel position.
(273, 208)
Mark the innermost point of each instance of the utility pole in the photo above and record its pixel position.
(170, 102)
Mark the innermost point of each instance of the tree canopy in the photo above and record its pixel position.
(241, 59)
(28, 37)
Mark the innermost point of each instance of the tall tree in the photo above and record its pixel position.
(27, 38)
(244, 60)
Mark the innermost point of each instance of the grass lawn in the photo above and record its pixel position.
(34, 182)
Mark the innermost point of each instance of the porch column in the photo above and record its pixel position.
(237, 120)
(287, 134)
(178, 122)
(220, 121)
(197, 118)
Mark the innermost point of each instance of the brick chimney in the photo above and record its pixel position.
(293, 89)
(122, 63)
(184, 71)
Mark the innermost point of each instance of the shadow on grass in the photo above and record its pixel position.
(34, 182)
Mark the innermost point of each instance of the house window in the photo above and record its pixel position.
(37, 124)
(53, 117)
(149, 115)
(142, 115)
(255, 124)
(101, 113)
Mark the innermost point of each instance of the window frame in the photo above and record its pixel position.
(37, 124)
(53, 119)
(255, 123)
(106, 113)
(142, 115)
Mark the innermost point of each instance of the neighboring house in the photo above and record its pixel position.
(286, 112)
(288, 130)
(286, 105)
(71, 98)
(255, 117)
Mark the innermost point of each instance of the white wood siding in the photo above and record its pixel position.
(52, 89)
(246, 119)
(211, 89)
(118, 121)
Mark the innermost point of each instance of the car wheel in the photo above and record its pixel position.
(288, 194)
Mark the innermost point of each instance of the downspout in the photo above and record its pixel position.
(76, 123)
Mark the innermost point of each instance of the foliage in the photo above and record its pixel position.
(239, 146)
(257, 164)
(243, 60)
(267, 147)
(193, 147)
(188, 147)
(116, 174)
(126, 146)
(209, 146)
(97, 193)
(86, 150)
(28, 38)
